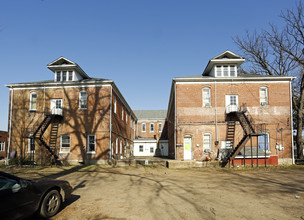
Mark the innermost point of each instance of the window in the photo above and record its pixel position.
(70, 75)
(116, 146)
(83, 100)
(206, 97)
(65, 141)
(225, 69)
(115, 105)
(120, 148)
(58, 103)
(122, 113)
(33, 101)
(126, 118)
(91, 143)
(232, 70)
(151, 149)
(151, 127)
(64, 75)
(31, 145)
(263, 96)
(262, 144)
(160, 127)
(143, 127)
(141, 148)
(58, 76)
(2, 146)
(207, 142)
(218, 70)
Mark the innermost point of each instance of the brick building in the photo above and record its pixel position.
(152, 133)
(3, 144)
(74, 117)
(221, 113)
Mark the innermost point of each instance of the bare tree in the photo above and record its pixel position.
(280, 52)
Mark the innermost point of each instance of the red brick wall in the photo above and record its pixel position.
(195, 120)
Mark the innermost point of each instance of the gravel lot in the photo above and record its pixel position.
(160, 193)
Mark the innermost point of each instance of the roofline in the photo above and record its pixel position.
(219, 79)
(123, 100)
(50, 84)
(75, 65)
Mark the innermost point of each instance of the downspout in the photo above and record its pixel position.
(43, 101)
(215, 111)
(10, 126)
(111, 121)
(291, 122)
(175, 119)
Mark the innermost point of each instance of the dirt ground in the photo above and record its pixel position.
(161, 193)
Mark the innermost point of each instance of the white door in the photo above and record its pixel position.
(56, 106)
(187, 148)
(232, 103)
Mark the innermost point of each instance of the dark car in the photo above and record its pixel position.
(20, 198)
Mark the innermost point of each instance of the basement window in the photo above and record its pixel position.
(65, 141)
(91, 144)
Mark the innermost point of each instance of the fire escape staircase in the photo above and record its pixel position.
(54, 120)
(248, 129)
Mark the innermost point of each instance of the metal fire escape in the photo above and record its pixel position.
(53, 119)
(234, 114)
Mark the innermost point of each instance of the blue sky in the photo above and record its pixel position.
(139, 44)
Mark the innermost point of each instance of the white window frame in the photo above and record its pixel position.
(160, 127)
(219, 70)
(151, 127)
(141, 149)
(267, 141)
(67, 75)
(206, 100)
(81, 99)
(29, 145)
(61, 147)
(88, 144)
(143, 125)
(31, 101)
(265, 101)
(207, 148)
(2, 146)
(116, 146)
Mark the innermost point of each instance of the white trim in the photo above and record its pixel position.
(30, 107)
(65, 147)
(86, 99)
(111, 145)
(2, 143)
(210, 142)
(10, 126)
(231, 80)
(58, 87)
(291, 122)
